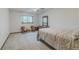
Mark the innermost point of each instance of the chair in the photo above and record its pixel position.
(23, 29)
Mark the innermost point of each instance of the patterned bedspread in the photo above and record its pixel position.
(59, 38)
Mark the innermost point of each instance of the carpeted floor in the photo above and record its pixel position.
(25, 41)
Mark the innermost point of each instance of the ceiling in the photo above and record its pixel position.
(30, 10)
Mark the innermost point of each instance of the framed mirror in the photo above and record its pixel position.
(45, 21)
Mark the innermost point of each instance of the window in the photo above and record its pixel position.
(45, 21)
(27, 19)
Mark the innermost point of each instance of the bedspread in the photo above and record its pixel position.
(60, 39)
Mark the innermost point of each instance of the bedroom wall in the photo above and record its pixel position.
(15, 20)
(62, 18)
(4, 25)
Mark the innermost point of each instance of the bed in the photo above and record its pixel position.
(60, 39)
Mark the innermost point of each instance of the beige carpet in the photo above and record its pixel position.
(25, 41)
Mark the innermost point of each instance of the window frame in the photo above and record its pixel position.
(26, 22)
(43, 23)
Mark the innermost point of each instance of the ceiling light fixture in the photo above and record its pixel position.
(36, 9)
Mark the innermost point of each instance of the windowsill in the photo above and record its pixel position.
(27, 23)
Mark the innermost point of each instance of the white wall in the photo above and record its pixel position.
(15, 20)
(62, 18)
(4, 25)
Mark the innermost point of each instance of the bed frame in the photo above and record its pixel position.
(49, 46)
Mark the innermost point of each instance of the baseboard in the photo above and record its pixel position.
(15, 32)
(20, 32)
(4, 42)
